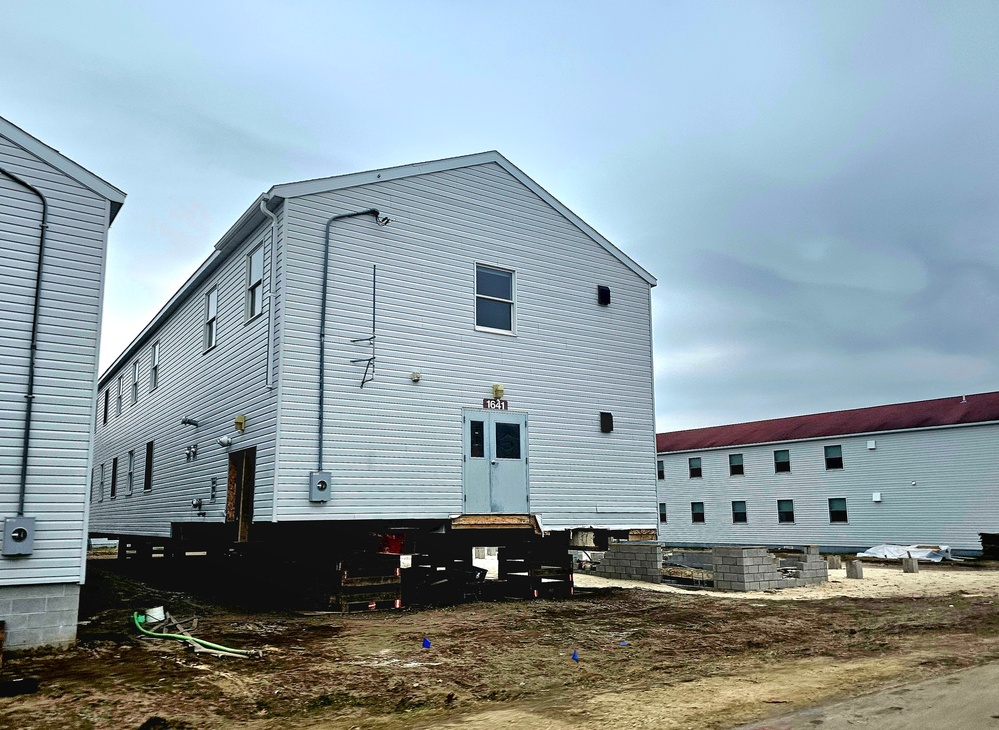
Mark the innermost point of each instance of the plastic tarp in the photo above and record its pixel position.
(934, 553)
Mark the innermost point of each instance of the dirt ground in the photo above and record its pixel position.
(666, 658)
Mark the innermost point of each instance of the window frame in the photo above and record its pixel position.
(131, 471)
(118, 396)
(741, 465)
(782, 514)
(512, 302)
(210, 330)
(154, 366)
(114, 477)
(107, 401)
(100, 493)
(660, 469)
(691, 468)
(254, 286)
(833, 459)
(844, 511)
(135, 382)
(694, 514)
(778, 463)
(744, 512)
(662, 513)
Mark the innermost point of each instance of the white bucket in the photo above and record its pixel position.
(153, 615)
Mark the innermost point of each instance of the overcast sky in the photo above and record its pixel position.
(815, 184)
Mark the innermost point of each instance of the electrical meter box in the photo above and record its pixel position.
(319, 486)
(18, 535)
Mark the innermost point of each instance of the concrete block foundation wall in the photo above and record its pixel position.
(632, 561)
(756, 569)
(809, 569)
(40, 615)
(745, 569)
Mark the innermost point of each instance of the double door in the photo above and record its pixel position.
(495, 462)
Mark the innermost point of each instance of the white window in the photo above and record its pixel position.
(117, 399)
(255, 282)
(131, 470)
(135, 382)
(154, 367)
(493, 298)
(100, 494)
(211, 314)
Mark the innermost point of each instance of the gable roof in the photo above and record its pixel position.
(253, 216)
(62, 163)
(957, 410)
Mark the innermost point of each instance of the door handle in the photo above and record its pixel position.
(494, 461)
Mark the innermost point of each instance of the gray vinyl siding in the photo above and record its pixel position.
(955, 494)
(394, 447)
(69, 321)
(210, 387)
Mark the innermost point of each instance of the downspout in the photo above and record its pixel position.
(30, 397)
(380, 220)
(269, 380)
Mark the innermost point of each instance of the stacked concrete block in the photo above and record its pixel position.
(910, 565)
(855, 569)
(745, 569)
(756, 569)
(806, 570)
(835, 562)
(641, 560)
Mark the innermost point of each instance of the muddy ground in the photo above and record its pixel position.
(646, 659)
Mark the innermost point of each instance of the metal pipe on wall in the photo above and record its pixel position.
(382, 221)
(33, 351)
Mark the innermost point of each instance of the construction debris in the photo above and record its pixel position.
(934, 553)
(171, 628)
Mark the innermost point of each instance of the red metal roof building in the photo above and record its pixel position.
(953, 411)
(908, 473)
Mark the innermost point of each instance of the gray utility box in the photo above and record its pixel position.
(319, 486)
(18, 535)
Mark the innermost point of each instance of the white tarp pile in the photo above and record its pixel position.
(934, 553)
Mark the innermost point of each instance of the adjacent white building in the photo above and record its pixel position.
(394, 347)
(54, 218)
(910, 473)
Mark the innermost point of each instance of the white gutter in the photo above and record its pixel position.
(268, 379)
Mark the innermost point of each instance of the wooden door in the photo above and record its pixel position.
(239, 492)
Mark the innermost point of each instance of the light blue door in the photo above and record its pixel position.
(495, 475)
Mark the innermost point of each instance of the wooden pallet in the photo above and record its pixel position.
(368, 584)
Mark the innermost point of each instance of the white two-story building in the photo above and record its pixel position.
(54, 219)
(908, 473)
(387, 349)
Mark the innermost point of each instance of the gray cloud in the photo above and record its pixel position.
(814, 183)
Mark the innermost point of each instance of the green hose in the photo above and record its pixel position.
(181, 637)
